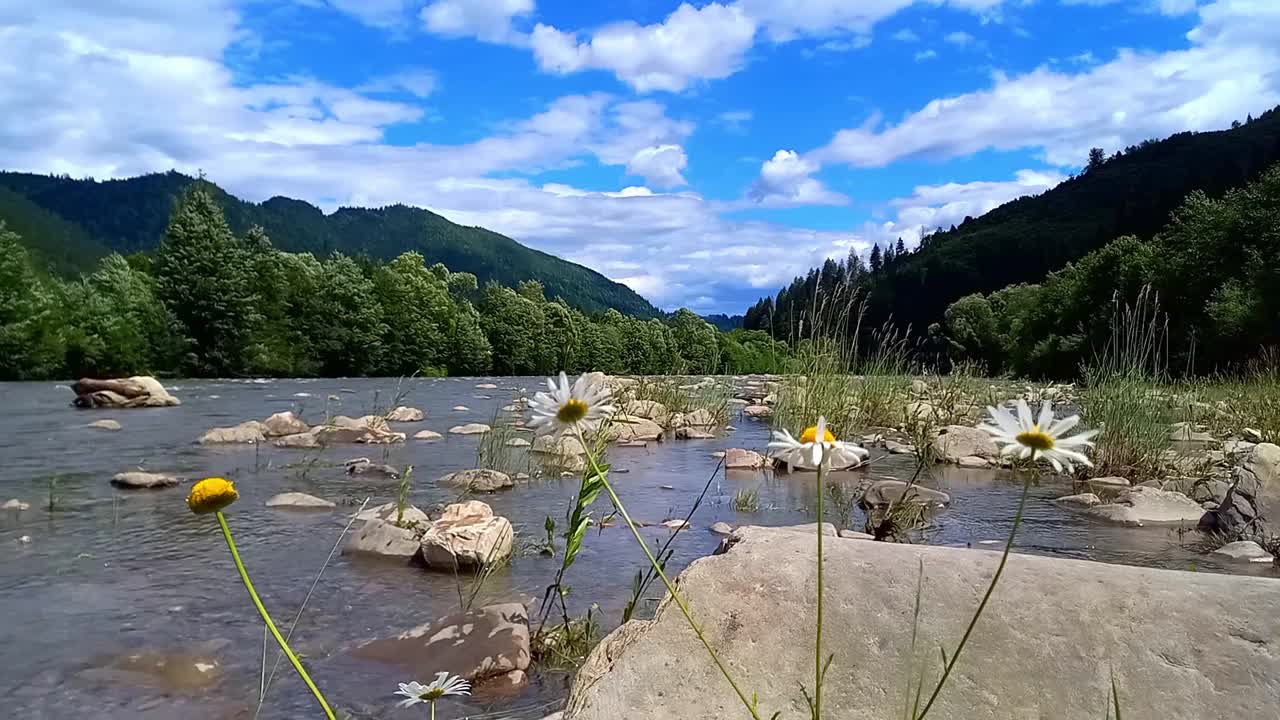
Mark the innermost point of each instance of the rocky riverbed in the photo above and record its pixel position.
(117, 598)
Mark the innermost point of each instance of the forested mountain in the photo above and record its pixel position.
(1130, 193)
(70, 224)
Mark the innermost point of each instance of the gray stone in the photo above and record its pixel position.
(489, 642)
(284, 423)
(427, 435)
(134, 392)
(626, 428)
(299, 441)
(298, 501)
(405, 413)
(690, 432)
(379, 537)
(757, 411)
(1116, 513)
(675, 524)
(1183, 645)
(855, 535)
(248, 432)
(388, 512)
(1255, 489)
(883, 492)
(467, 536)
(460, 408)
(478, 480)
(362, 466)
(140, 480)
(1111, 482)
(739, 459)
(700, 418)
(973, 462)
(1079, 500)
(648, 409)
(517, 442)
(469, 429)
(1162, 506)
(896, 448)
(366, 430)
(958, 441)
(105, 424)
(563, 445)
(722, 528)
(1245, 550)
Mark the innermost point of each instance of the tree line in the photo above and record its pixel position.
(211, 303)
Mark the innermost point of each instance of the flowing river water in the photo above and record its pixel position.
(99, 583)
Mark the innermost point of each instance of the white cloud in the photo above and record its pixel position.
(660, 165)
(1164, 7)
(923, 55)
(932, 206)
(690, 44)
(787, 20)
(377, 13)
(959, 38)
(418, 82)
(487, 20)
(1228, 72)
(906, 35)
(735, 121)
(786, 180)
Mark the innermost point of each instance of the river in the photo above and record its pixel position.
(100, 578)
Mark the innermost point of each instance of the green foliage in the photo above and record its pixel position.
(695, 341)
(30, 345)
(746, 500)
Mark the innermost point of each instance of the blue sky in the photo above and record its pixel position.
(702, 153)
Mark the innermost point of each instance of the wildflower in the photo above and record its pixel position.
(211, 495)
(808, 452)
(565, 407)
(1041, 438)
(444, 684)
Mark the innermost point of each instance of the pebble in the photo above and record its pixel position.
(24, 539)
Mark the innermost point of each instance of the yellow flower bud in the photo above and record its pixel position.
(211, 495)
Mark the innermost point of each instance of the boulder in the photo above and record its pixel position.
(299, 441)
(1245, 550)
(739, 459)
(958, 441)
(757, 411)
(381, 537)
(470, 429)
(856, 535)
(691, 432)
(138, 480)
(362, 466)
(648, 409)
(700, 418)
(479, 480)
(883, 492)
(467, 536)
(1183, 645)
(489, 642)
(1112, 483)
(563, 445)
(675, 524)
(405, 413)
(427, 435)
(486, 386)
(897, 448)
(1116, 513)
(15, 504)
(973, 462)
(1151, 505)
(722, 528)
(366, 430)
(298, 501)
(389, 512)
(106, 424)
(1084, 500)
(1186, 432)
(1254, 490)
(133, 392)
(517, 442)
(284, 423)
(246, 432)
(626, 428)
(460, 408)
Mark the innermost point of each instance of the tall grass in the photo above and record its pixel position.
(493, 452)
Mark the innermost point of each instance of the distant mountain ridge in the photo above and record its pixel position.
(71, 223)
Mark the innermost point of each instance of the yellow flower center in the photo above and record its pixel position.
(1036, 439)
(211, 495)
(811, 433)
(572, 411)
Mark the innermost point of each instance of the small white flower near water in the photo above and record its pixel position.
(563, 407)
(817, 445)
(1041, 437)
(444, 685)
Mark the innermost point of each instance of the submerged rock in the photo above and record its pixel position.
(405, 413)
(140, 480)
(469, 429)
(1080, 500)
(248, 432)
(362, 466)
(479, 480)
(690, 432)
(883, 492)
(427, 435)
(134, 392)
(739, 459)
(298, 501)
(104, 425)
(1143, 622)
(183, 670)
(467, 536)
(490, 642)
(1246, 550)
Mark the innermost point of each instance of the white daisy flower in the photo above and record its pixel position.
(444, 684)
(563, 407)
(1039, 438)
(808, 453)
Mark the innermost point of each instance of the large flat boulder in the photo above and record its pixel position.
(249, 432)
(626, 428)
(954, 442)
(404, 413)
(476, 645)
(366, 430)
(1183, 645)
(138, 479)
(478, 480)
(467, 536)
(284, 423)
(133, 392)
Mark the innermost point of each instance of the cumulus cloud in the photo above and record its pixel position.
(419, 82)
(690, 44)
(787, 20)
(1228, 72)
(487, 20)
(659, 165)
(786, 180)
(376, 13)
(932, 206)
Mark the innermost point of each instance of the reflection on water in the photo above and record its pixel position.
(110, 573)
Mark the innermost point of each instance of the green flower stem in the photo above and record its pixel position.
(817, 643)
(1017, 520)
(684, 609)
(253, 595)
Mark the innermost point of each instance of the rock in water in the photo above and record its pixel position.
(757, 411)
(300, 441)
(1246, 550)
(138, 480)
(133, 392)
(479, 480)
(1084, 500)
(628, 428)
(883, 492)
(370, 429)
(246, 432)
(739, 459)
(1140, 621)
(381, 537)
(362, 466)
(406, 414)
(104, 425)
(390, 512)
(959, 441)
(467, 536)
(469, 429)
(284, 423)
(298, 501)
(722, 528)
(15, 504)
(427, 435)
(485, 643)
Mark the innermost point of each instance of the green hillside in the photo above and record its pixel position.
(70, 224)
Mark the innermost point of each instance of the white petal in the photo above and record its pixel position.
(1046, 416)
(1063, 425)
(1026, 452)
(1077, 440)
(1054, 461)
(1024, 416)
